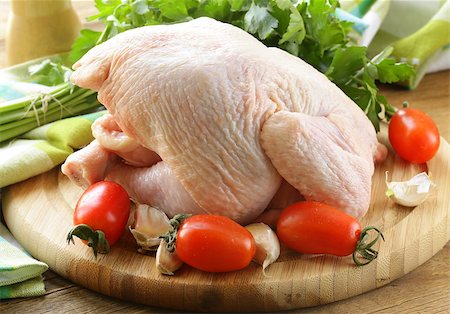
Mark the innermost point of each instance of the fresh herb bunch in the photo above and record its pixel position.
(63, 100)
(307, 29)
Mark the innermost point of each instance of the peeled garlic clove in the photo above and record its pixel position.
(267, 244)
(149, 224)
(166, 262)
(410, 193)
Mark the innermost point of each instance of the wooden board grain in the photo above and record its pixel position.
(39, 213)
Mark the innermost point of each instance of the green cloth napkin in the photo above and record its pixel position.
(425, 45)
(419, 31)
(35, 152)
(20, 274)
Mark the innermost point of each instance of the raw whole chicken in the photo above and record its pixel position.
(205, 118)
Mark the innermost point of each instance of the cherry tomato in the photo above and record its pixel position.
(316, 228)
(214, 243)
(413, 135)
(101, 212)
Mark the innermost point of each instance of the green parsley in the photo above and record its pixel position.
(307, 29)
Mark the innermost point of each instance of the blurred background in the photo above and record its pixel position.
(83, 8)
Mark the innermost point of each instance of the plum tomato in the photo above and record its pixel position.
(214, 243)
(316, 228)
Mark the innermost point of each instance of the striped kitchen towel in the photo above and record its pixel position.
(34, 152)
(10, 90)
(20, 274)
(43, 148)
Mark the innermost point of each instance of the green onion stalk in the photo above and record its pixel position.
(24, 114)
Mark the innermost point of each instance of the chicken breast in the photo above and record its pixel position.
(230, 117)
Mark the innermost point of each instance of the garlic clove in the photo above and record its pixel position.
(166, 262)
(144, 241)
(410, 193)
(149, 224)
(267, 244)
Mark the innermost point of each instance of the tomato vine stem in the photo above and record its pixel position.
(171, 236)
(364, 249)
(95, 238)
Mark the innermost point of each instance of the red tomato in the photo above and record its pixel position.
(316, 228)
(214, 243)
(104, 206)
(413, 135)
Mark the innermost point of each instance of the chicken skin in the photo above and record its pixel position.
(221, 120)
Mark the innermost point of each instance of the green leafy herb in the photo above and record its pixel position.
(295, 32)
(347, 61)
(49, 73)
(87, 39)
(258, 21)
(307, 29)
(390, 71)
(356, 74)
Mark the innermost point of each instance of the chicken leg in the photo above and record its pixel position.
(313, 155)
(156, 186)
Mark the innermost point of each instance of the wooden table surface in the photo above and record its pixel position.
(424, 290)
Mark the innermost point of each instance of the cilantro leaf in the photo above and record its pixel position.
(87, 40)
(347, 61)
(284, 4)
(259, 21)
(355, 74)
(174, 10)
(236, 5)
(140, 7)
(105, 8)
(295, 32)
(323, 27)
(390, 71)
(216, 9)
(49, 73)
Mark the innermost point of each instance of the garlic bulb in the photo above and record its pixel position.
(166, 262)
(410, 193)
(267, 244)
(149, 224)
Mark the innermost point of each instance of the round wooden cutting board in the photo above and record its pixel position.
(39, 214)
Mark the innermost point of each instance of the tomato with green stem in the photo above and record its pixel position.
(316, 228)
(101, 215)
(211, 243)
(413, 135)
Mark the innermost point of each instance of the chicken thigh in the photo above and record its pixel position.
(230, 117)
